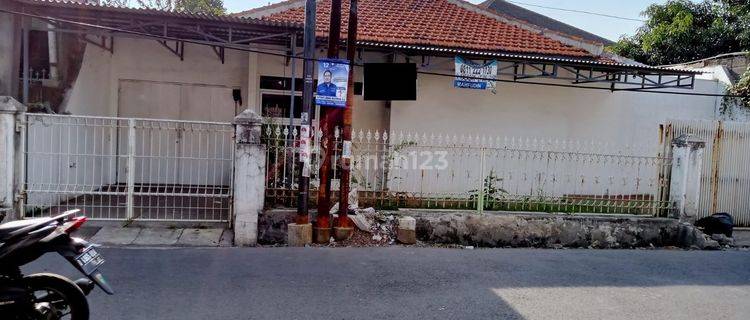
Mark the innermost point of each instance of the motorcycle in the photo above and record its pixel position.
(47, 296)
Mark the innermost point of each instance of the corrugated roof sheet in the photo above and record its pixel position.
(166, 13)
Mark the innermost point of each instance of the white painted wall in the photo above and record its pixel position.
(96, 89)
(522, 110)
(91, 93)
(728, 109)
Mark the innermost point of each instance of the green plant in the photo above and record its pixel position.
(679, 31)
(492, 193)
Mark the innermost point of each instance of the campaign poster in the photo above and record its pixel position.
(472, 75)
(333, 78)
(305, 149)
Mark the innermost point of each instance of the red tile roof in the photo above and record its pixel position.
(440, 23)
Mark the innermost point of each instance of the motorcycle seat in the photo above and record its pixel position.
(6, 229)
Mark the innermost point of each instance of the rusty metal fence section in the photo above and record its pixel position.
(432, 170)
(128, 168)
(282, 162)
(725, 183)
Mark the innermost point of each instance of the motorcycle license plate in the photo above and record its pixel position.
(89, 260)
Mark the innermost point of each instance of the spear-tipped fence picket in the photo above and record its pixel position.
(478, 172)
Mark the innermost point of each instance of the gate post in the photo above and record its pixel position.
(685, 183)
(11, 158)
(249, 177)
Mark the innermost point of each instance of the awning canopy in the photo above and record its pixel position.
(107, 21)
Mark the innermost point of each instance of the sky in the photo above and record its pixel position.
(609, 28)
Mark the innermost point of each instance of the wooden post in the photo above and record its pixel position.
(305, 133)
(327, 123)
(343, 229)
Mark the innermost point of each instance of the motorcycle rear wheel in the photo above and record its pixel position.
(58, 294)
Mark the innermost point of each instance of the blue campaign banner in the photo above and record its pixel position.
(472, 75)
(333, 81)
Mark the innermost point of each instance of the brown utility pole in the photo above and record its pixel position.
(327, 122)
(343, 228)
(308, 104)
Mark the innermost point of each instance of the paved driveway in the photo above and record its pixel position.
(419, 283)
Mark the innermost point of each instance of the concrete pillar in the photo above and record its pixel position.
(685, 183)
(10, 51)
(249, 175)
(11, 156)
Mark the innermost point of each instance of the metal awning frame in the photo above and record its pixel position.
(619, 79)
(104, 26)
(630, 79)
(580, 72)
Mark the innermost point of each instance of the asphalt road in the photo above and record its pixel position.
(418, 283)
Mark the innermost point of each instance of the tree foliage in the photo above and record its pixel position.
(213, 7)
(681, 30)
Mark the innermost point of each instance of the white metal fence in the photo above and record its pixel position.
(484, 173)
(128, 169)
(725, 183)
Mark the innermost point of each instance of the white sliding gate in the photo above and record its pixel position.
(128, 168)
